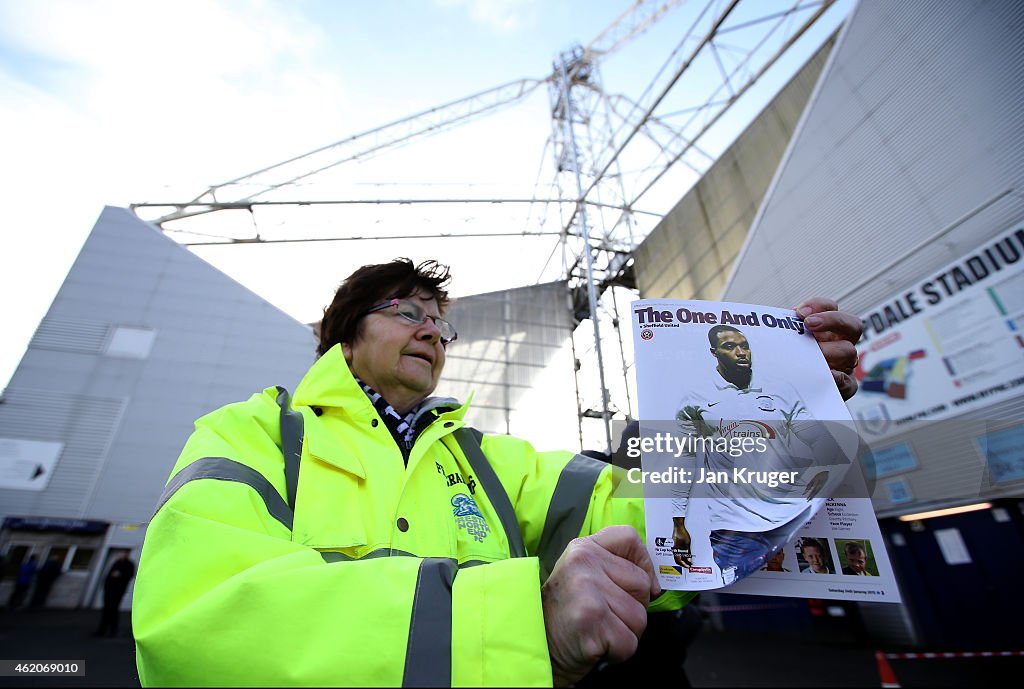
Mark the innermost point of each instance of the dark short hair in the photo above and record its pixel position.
(370, 285)
(854, 548)
(713, 333)
(812, 543)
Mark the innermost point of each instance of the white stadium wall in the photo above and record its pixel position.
(142, 339)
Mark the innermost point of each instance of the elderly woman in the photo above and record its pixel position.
(362, 533)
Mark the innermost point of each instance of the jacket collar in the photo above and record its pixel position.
(330, 383)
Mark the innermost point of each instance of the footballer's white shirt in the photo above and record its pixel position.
(795, 444)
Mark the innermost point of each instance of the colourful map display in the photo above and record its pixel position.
(889, 376)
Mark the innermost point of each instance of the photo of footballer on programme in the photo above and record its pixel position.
(752, 454)
(743, 534)
(814, 557)
(776, 563)
(856, 558)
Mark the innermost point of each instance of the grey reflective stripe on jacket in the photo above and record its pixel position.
(428, 656)
(469, 440)
(334, 556)
(224, 469)
(567, 509)
(292, 431)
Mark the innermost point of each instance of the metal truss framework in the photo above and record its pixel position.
(609, 150)
(592, 140)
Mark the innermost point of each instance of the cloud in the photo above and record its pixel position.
(499, 15)
(189, 37)
(188, 82)
(109, 102)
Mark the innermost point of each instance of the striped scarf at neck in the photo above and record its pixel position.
(401, 427)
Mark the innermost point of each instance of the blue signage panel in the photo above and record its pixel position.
(899, 491)
(1004, 452)
(890, 460)
(55, 524)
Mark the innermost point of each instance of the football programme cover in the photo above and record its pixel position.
(743, 438)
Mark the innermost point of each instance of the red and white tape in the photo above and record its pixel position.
(738, 608)
(954, 654)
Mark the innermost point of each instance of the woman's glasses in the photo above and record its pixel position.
(414, 313)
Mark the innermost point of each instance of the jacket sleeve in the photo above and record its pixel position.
(224, 597)
(559, 496)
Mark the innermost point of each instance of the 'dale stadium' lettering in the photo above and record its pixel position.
(967, 272)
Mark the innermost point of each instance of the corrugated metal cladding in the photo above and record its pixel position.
(123, 420)
(910, 155)
(952, 470)
(513, 355)
(69, 335)
(689, 254)
(85, 425)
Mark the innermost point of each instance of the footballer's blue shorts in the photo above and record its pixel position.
(738, 553)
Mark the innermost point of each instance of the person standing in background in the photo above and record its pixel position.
(22, 583)
(48, 574)
(114, 586)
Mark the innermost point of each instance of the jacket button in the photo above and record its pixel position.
(403, 524)
(449, 424)
(374, 423)
(318, 411)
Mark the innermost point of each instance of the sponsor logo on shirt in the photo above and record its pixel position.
(746, 428)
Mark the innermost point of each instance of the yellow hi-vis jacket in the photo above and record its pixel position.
(292, 546)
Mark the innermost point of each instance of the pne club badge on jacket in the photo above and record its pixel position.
(468, 516)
